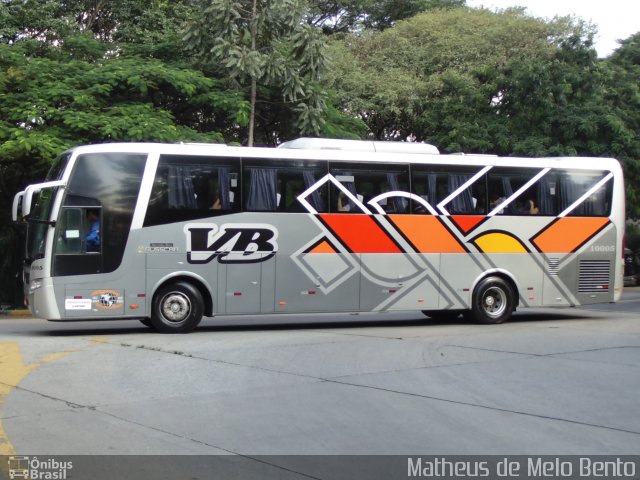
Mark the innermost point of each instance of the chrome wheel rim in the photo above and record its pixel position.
(175, 307)
(494, 302)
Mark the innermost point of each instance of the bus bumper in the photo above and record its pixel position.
(42, 299)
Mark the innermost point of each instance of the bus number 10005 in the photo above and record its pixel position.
(603, 248)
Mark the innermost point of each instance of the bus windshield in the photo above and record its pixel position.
(38, 223)
(58, 166)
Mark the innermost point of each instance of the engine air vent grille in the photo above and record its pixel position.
(593, 276)
(553, 265)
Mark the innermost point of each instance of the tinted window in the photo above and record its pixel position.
(37, 229)
(274, 185)
(364, 182)
(436, 183)
(573, 185)
(109, 183)
(504, 182)
(57, 169)
(189, 187)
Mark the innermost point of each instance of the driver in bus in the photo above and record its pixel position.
(92, 238)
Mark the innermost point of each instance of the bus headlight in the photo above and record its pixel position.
(34, 285)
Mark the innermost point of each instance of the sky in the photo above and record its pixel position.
(615, 19)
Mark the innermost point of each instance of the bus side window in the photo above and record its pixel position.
(70, 232)
(573, 185)
(463, 202)
(424, 185)
(261, 189)
(505, 182)
(436, 183)
(275, 186)
(318, 197)
(92, 236)
(192, 187)
(364, 182)
(79, 228)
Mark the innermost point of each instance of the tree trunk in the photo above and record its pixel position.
(252, 115)
(254, 81)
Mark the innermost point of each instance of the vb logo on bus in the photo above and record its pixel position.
(231, 242)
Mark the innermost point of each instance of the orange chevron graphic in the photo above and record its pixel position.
(323, 247)
(427, 234)
(360, 233)
(466, 223)
(567, 234)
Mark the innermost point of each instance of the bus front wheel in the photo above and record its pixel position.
(493, 301)
(177, 308)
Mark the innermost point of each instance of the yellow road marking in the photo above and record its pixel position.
(99, 339)
(12, 372)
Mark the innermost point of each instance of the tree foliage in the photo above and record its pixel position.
(503, 83)
(142, 27)
(356, 15)
(438, 67)
(78, 72)
(267, 44)
(622, 99)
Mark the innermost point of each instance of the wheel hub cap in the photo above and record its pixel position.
(495, 302)
(176, 307)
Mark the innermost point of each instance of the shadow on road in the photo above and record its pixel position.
(260, 323)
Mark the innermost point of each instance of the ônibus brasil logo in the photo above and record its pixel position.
(231, 243)
(32, 468)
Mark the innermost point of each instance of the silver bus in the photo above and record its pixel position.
(169, 233)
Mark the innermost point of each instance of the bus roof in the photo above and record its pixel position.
(359, 146)
(369, 153)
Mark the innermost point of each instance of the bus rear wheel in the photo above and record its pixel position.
(493, 301)
(177, 308)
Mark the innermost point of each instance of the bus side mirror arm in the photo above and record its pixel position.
(32, 189)
(16, 203)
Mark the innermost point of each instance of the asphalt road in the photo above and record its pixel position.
(550, 382)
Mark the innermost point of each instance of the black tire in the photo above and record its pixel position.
(442, 315)
(493, 301)
(146, 322)
(177, 308)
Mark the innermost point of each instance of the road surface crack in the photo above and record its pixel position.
(486, 407)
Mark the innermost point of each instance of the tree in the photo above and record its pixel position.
(623, 101)
(263, 44)
(355, 15)
(435, 76)
(502, 83)
(65, 81)
(52, 103)
(479, 81)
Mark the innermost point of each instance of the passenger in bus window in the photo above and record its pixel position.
(92, 238)
(217, 203)
(495, 201)
(343, 203)
(526, 207)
